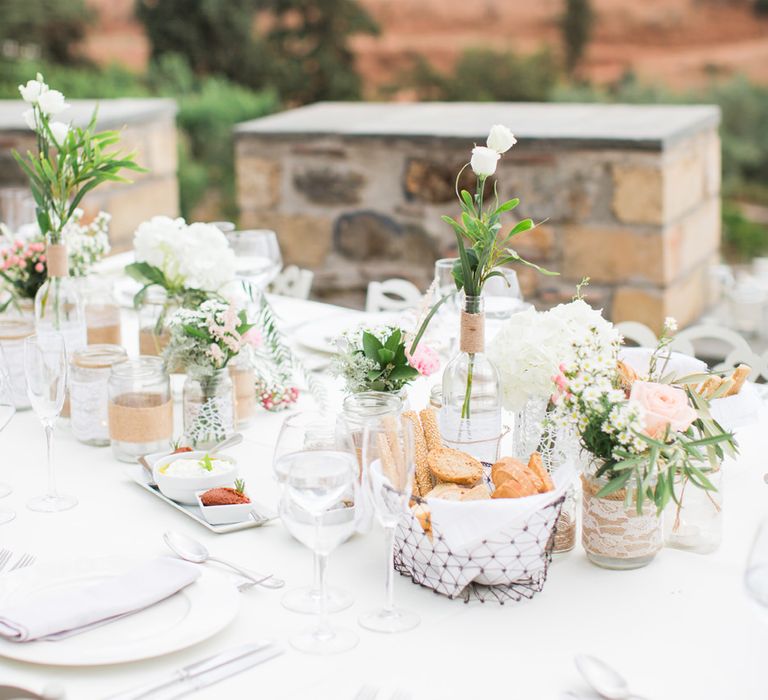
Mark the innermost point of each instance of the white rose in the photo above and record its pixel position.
(32, 91)
(52, 102)
(500, 139)
(29, 118)
(59, 131)
(484, 161)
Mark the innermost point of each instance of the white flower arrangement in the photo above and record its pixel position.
(529, 349)
(180, 256)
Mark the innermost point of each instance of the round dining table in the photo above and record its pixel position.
(681, 628)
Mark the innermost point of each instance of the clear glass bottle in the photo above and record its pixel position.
(615, 535)
(13, 331)
(154, 313)
(58, 303)
(470, 417)
(102, 311)
(209, 409)
(89, 372)
(140, 408)
(357, 409)
(695, 524)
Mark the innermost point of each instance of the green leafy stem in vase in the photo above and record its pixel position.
(483, 247)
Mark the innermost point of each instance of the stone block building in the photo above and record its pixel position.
(626, 195)
(147, 127)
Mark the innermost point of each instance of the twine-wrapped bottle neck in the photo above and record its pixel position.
(56, 260)
(472, 336)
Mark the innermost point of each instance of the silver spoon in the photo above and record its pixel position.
(605, 681)
(196, 552)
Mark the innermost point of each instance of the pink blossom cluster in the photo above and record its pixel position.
(277, 399)
(21, 257)
(424, 360)
(223, 328)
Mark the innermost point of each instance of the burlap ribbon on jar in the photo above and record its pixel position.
(472, 339)
(56, 260)
(611, 529)
(137, 417)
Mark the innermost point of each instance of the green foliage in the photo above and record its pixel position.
(52, 27)
(742, 239)
(576, 26)
(214, 36)
(483, 75)
(308, 47)
(390, 368)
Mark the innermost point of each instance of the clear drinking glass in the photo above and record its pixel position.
(307, 431)
(388, 458)
(258, 257)
(45, 367)
(314, 483)
(756, 574)
(7, 411)
(503, 296)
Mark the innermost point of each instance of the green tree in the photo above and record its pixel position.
(55, 27)
(576, 25)
(214, 36)
(309, 48)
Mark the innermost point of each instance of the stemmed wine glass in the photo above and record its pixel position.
(388, 457)
(302, 432)
(314, 483)
(7, 411)
(258, 256)
(45, 368)
(756, 574)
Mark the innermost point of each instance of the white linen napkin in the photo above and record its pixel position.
(679, 365)
(69, 608)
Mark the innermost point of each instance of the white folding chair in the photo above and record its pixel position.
(637, 333)
(718, 341)
(293, 282)
(391, 295)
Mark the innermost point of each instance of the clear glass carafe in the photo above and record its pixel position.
(470, 417)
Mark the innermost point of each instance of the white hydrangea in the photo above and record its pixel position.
(196, 256)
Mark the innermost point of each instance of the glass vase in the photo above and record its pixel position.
(695, 524)
(58, 303)
(529, 428)
(154, 313)
(614, 534)
(209, 409)
(470, 417)
(102, 311)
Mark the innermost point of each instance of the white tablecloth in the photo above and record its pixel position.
(681, 628)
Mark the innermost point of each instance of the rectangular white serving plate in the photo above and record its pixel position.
(137, 474)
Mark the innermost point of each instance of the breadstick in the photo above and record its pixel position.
(739, 376)
(393, 438)
(423, 475)
(431, 431)
(388, 467)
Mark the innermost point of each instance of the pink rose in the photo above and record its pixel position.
(663, 405)
(39, 267)
(425, 360)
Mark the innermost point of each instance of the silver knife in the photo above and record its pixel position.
(208, 671)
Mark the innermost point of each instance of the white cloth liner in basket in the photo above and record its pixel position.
(494, 542)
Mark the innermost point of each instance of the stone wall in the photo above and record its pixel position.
(147, 128)
(627, 195)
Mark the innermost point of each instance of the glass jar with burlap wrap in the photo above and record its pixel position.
(13, 332)
(613, 534)
(140, 408)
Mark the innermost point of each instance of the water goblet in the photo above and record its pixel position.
(305, 431)
(756, 573)
(45, 369)
(311, 508)
(7, 411)
(388, 457)
(258, 257)
(503, 296)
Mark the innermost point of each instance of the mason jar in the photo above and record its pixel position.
(13, 331)
(154, 313)
(102, 311)
(695, 523)
(140, 408)
(243, 378)
(209, 409)
(89, 372)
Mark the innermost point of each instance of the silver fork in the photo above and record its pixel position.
(23, 561)
(5, 555)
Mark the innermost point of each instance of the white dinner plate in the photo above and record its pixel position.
(320, 335)
(192, 615)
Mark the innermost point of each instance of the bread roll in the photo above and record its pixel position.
(542, 479)
(455, 467)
